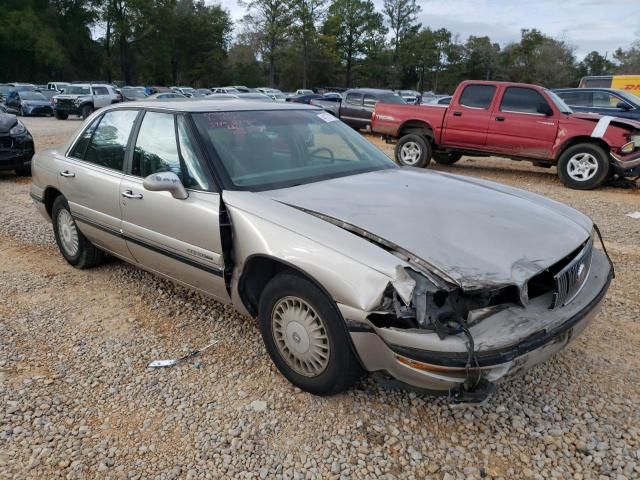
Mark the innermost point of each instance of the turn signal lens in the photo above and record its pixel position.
(628, 148)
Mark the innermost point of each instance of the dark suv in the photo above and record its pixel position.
(605, 101)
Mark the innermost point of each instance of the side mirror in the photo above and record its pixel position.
(165, 182)
(545, 109)
(623, 106)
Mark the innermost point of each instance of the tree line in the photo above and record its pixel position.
(282, 43)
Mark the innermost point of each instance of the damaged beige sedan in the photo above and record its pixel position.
(350, 263)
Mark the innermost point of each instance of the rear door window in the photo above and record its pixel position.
(369, 101)
(521, 100)
(477, 96)
(109, 140)
(354, 99)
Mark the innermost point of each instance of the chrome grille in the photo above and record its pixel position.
(570, 280)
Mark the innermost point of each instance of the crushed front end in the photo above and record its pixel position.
(461, 341)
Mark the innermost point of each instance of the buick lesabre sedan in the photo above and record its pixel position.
(350, 263)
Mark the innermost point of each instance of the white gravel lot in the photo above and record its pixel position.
(77, 400)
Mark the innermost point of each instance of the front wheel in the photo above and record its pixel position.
(584, 166)
(61, 116)
(306, 337)
(413, 151)
(86, 111)
(447, 158)
(73, 245)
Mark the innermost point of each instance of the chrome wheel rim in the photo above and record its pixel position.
(582, 167)
(300, 336)
(68, 233)
(410, 153)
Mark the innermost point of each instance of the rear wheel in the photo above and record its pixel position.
(413, 151)
(306, 337)
(73, 245)
(583, 166)
(447, 158)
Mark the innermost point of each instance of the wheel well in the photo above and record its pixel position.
(417, 127)
(50, 195)
(257, 272)
(583, 139)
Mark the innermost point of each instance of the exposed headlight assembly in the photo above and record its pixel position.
(18, 129)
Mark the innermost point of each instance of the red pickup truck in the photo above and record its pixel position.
(514, 120)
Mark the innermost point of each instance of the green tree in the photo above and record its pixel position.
(355, 26)
(269, 22)
(402, 16)
(481, 58)
(628, 61)
(306, 14)
(596, 64)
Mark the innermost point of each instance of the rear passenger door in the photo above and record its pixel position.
(90, 176)
(518, 128)
(176, 238)
(351, 110)
(101, 97)
(467, 119)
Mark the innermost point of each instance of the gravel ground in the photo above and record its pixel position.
(77, 400)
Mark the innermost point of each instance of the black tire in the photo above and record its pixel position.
(446, 158)
(24, 171)
(413, 151)
(61, 116)
(343, 368)
(593, 156)
(87, 254)
(86, 111)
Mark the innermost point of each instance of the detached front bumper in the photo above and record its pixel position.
(507, 343)
(67, 109)
(626, 165)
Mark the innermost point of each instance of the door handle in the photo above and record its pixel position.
(457, 114)
(67, 174)
(499, 119)
(130, 194)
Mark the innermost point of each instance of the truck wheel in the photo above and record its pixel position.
(413, 151)
(306, 337)
(61, 116)
(583, 166)
(24, 171)
(86, 111)
(447, 158)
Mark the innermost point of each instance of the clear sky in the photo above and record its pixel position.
(587, 25)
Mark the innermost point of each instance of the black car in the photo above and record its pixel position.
(16, 145)
(305, 98)
(605, 101)
(29, 103)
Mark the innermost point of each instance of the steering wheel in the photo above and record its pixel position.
(332, 158)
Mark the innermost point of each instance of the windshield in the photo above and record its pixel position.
(32, 96)
(5, 88)
(563, 107)
(629, 97)
(390, 98)
(76, 90)
(264, 150)
(25, 88)
(133, 93)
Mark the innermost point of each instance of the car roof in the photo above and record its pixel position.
(369, 90)
(584, 89)
(203, 105)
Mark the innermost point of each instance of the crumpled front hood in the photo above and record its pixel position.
(594, 118)
(477, 233)
(7, 121)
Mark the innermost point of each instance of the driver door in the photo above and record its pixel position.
(176, 238)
